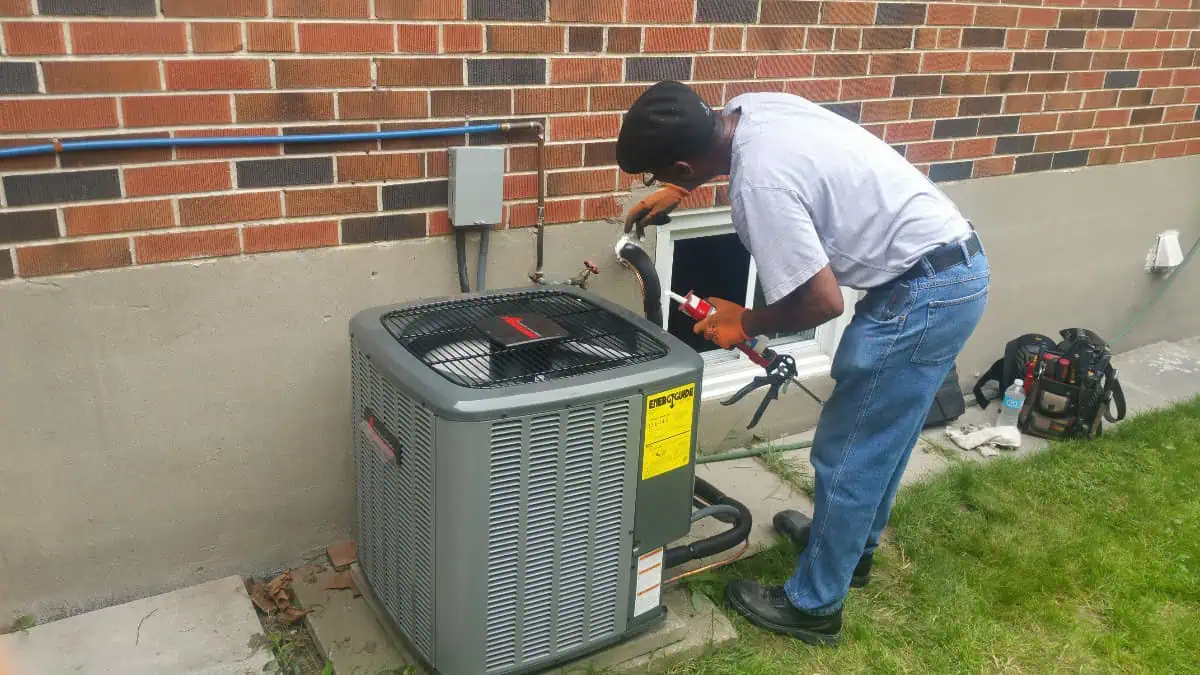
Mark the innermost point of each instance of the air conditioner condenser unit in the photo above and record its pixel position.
(523, 458)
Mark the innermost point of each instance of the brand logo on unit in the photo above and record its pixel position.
(519, 325)
(671, 398)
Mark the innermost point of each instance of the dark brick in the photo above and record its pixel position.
(28, 226)
(1115, 18)
(6, 265)
(1033, 60)
(1015, 145)
(887, 38)
(983, 37)
(98, 7)
(1078, 18)
(656, 68)
(851, 111)
(586, 39)
(790, 12)
(624, 40)
(1065, 39)
(515, 137)
(599, 154)
(980, 105)
(900, 149)
(897, 14)
(726, 11)
(415, 195)
(18, 77)
(1069, 159)
(383, 228)
(1072, 61)
(506, 10)
(1122, 79)
(1132, 98)
(1031, 163)
(284, 172)
(506, 71)
(950, 171)
(1147, 116)
(917, 85)
(85, 160)
(53, 188)
(961, 127)
(995, 126)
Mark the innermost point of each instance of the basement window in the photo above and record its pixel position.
(700, 252)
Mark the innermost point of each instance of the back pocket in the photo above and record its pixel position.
(948, 325)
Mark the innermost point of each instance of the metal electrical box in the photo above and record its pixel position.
(523, 459)
(476, 186)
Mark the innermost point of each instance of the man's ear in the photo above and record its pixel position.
(684, 171)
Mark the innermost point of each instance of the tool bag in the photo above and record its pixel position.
(948, 404)
(1071, 386)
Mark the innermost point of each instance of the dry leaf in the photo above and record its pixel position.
(258, 595)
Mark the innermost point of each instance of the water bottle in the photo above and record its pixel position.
(1014, 400)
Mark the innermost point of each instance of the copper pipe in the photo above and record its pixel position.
(539, 275)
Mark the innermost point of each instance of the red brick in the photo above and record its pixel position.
(1168, 96)
(419, 72)
(886, 111)
(1176, 149)
(996, 15)
(439, 223)
(290, 236)
(895, 64)
(710, 68)
(927, 38)
(355, 168)
(331, 9)
(525, 39)
(1052, 143)
(1155, 78)
(30, 115)
(78, 77)
(76, 256)
(861, 88)
(816, 90)
(462, 39)
(27, 163)
(616, 98)
(557, 157)
(329, 201)
(991, 61)
(557, 211)
(1105, 156)
(590, 181)
(1113, 118)
(946, 62)
(735, 89)
(209, 74)
(930, 108)
(284, 107)
(847, 39)
(214, 37)
(584, 127)
(1180, 113)
(727, 39)
(1139, 153)
(585, 70)
(1075, 81)
(1157, 133)
(271, 37)
(1139, 39)
(120, 217)
(599, 208)
(227, 151)
(701, 197)
(1015, 39)
(993, 166)
(475, 102)
(121, 37)
(1076, 120)
(15, 8)
(349, 37)
(214, 8)
(1039, 123)
(522, 186)
(31, 38)
(165, 111)
(909, 131)
(417, 39)
(158, 248)
(366, 105)
(774, 39)
(949, 14)
(673, 39)
(1186, 77)
(818, 39)
(174, 179)
(1145, 60)
(832, 65)
(932, 151)
(1089, 139)
(1064, 101)
(973, 148)
(324, 73)
(662, 11)
(235, 208)
(586, 11)
(802, 65)
(550, 100)
(419, 10)
(1038, 17)
(855, 13)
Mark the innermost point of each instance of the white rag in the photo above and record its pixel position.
(987, 439)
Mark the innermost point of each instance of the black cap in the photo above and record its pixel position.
(668, 123)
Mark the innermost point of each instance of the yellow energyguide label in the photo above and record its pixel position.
(668, 434)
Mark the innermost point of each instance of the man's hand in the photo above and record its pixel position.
(723, 327)
(655, 208)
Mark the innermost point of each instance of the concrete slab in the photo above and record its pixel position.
(344, 626)
(209, 629)
(763, 492)
(707, 627)
(1159, 374)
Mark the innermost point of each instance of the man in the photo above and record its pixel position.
(820, 203)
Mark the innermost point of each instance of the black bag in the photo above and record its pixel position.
(1018, 354)
(1073, 389)
(948, 404)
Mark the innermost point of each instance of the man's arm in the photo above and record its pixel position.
(812, 304)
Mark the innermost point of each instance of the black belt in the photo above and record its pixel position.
(944, 257)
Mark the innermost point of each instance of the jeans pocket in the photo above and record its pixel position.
(888, 304)
(948, 325)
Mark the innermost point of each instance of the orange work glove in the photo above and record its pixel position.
(723, 327)
(654, 209)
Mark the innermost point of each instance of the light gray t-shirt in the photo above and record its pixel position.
(809, 188)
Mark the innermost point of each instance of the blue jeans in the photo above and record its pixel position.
(892, 359)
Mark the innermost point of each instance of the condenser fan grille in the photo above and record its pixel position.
(450, 338)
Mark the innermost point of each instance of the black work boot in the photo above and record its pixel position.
(797, 526)
(768, 607)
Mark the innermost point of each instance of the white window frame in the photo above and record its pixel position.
(726, 372)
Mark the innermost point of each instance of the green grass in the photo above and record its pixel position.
(790, 471)
(1082, 559)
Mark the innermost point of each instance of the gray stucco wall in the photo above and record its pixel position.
(171, 424)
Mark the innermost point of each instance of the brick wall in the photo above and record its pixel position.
(964, 90)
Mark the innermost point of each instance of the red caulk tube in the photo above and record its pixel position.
(697, 308)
